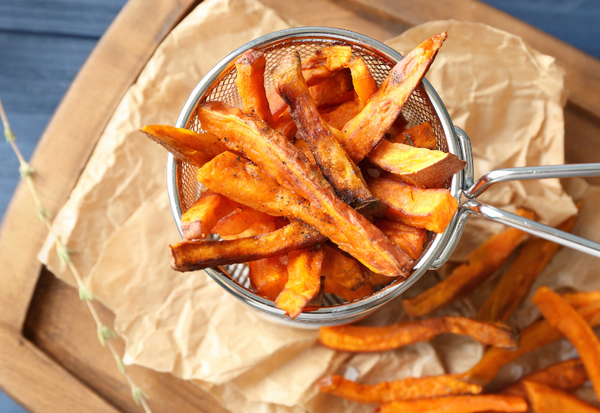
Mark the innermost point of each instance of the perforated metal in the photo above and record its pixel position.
(417, 110)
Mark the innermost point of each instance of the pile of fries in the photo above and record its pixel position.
(319, 187)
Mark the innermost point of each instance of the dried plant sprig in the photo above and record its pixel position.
(105, 334)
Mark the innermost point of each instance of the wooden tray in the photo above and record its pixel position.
(51, 360)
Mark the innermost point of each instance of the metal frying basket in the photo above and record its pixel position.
(424, 105)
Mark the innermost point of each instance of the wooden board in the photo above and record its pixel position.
(51, 359)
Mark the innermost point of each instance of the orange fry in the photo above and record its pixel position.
(420, 136)
(566, 319)
(268, 276)
(409, 239)
(363, 132)
(416, 166)
(324, 62)
(332, 287)
(250, 82)
(364, 84)
(566, 376)
(338, 117)
(515, 284)
(286, 126)
(304, 280)
(331, 88)
(378, 280)
(545, 399)
(245, 221)
(536, 335)
(344, 270)
(432, 209)
(582, 299)
(483, 262)
(198, 221)
(365, 339)
(407, 389)
(459, 404)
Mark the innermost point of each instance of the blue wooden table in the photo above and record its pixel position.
(43, 44)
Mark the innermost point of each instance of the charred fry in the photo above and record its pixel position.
(459, 404)
(483, 262)
(199, 220)
(432, 209)
(407, 389)
(250, 82)
(409, 239)
(416, 166)
(545, 399)
(364, 131)
(364, 339)
(420, 136)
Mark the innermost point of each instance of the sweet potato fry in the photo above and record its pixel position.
(582, 299)
(304, 280)
(286, 126)
(279, 158)
(344, 270)
(407, 389)
(515, 284)
(331, 287)
(566, 376)
(409, 239)
(536, 335)
(186, 145)
(432, 209)
(250, 82)
(199, 220)
(420, 136)
(545, 399)
(197, 255)
(566, 319)
(335, 164)
(339, 116)
(366, 339)
(483, 262)
(378, 280)
(416, 166)
(245, 221)
(362, 79)
(324, 62)
(268, 276)
(364, 131)
(459, 404)
(331, 88)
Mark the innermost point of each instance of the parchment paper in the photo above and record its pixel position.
(505, 95)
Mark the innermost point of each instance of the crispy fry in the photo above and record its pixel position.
(536, 335)
(566, 376)
(344, 270)
(304, 280)
(197, 255)
(566, 319)
(186, 145)
(515, 284)
(545, 399)
(407, 389)
(364, 131)
(250, 82)
(331, 287)
(459, 404)
(247, 222)
(324, 62)
(432, 209)
(416, 166)
(339, 116)
(268, 276)
(409, 239)
(280, 159)
(362, 79)
(420, 136)
(199, 220)
(365, 339)
(483, 262)
(335, 164)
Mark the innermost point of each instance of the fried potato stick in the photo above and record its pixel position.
(459, 404)
(366, 339)
(344, 270)
(432, 209)
(407, 389)
(545, 399)
(304, 280)
(420, 136)
(416, 166)
(332, 158)
(198, 221)
(332, 287)
(536, 335)
(250, 82)
(362, 79)
(364, 131)
(582, 299)
(482, 263)
(567, 375)
(280, 159)
(566, 319)
(409, 239)
(515, 284)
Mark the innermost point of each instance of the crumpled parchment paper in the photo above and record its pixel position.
(506, 96)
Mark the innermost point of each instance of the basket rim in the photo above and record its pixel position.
(345, 312)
